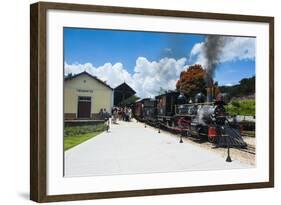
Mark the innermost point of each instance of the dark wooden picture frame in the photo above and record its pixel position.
(38, 101)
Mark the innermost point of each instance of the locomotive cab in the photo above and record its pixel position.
(222, 98)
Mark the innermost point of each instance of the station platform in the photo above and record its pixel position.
(130, 148)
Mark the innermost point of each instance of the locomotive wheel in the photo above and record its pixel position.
(212, 139)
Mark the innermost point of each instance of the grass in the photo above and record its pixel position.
(249, 133)
(75, 135)
(241, 107)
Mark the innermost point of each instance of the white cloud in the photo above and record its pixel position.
(239, 48)
(197, 48)
(112, 74)
(236, 48)
(168, 50)
(147, 79)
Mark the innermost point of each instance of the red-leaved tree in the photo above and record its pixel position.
(192, 80)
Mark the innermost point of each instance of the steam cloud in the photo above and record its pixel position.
(220, 49)
(212, 51)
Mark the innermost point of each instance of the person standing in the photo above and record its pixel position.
(130, 113)
(106, 117)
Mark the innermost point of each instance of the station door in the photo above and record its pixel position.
(84, 107)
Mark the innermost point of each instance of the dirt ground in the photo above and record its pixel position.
(243, 155)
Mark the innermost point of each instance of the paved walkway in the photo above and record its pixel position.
(129, 148)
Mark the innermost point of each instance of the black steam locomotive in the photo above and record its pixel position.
(204, 118)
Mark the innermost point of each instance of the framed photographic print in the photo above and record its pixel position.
(134, 102)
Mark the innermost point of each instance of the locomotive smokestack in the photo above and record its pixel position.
(209, 95)
(210, 92)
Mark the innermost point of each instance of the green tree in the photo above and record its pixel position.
(129, 100)
(161, 91)
(245, 87)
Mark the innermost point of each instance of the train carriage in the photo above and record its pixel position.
(137, 110)
(149, 110)
(166, 107)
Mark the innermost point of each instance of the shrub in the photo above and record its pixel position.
(241, 107)
(80, 130)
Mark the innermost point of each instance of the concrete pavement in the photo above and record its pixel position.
(129, 148)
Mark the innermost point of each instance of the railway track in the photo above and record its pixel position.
(250, 149)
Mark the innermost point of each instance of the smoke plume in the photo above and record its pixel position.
(212, 51)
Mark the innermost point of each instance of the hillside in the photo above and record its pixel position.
(245, 89)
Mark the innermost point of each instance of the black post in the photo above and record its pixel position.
(107, 126)
(159, 127)
(228, 159)
(181, 141)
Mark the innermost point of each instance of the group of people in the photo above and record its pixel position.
(103, 114)
(117, 113)
(121, 113)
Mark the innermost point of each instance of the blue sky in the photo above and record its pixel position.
(99, 47)
(232, 72)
